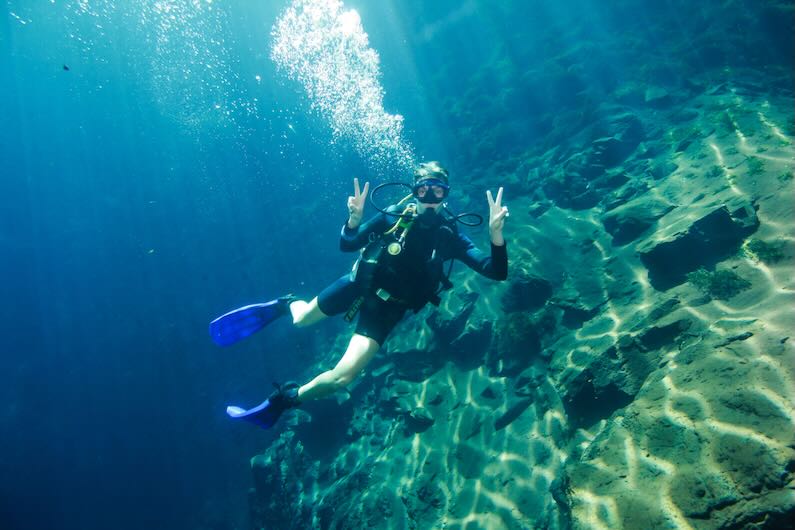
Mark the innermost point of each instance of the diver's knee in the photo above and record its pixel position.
(306, 314)
(302, 318)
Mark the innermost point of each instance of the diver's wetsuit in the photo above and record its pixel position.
(412, 277)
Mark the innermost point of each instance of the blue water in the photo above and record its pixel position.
(173, 172)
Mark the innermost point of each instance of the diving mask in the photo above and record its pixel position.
(430, 191)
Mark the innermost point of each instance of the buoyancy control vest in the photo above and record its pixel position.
(379, 269)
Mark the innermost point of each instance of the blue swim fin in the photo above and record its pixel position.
(266, 413)
(262, 415)
(244, 321)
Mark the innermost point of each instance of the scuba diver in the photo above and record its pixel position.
(401, 267)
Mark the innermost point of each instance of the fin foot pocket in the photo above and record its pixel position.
(244, 321)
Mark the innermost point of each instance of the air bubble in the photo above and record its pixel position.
(325, 48)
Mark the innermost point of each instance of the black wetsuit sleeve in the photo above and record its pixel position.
(494, 266)
(354, 239)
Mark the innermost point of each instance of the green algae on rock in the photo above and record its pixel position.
(720, 284)
(767, 252)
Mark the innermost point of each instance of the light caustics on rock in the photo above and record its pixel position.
(325, 48)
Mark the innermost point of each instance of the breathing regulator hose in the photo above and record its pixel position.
(409, 214)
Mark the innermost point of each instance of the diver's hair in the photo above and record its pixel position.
(431, 170)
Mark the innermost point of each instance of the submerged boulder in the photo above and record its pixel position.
(419, 420)
(447, 326)
(624, 134)
(610, 379)
(706, 431)
(629, 221)
(526, 293)
(707, 241)
(519, 339)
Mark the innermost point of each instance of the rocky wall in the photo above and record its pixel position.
(636, 371)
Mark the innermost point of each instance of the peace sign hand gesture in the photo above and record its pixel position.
(497, 215)
(356, 204)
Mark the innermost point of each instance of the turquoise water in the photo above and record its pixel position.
(165, 161)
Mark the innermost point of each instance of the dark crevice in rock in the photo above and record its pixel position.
(467, 350)
(663, 309)
(626, 229)
(419, 420)
(454, 340)
(561, 492)
(611, 181)
(657, 313)
(735, 338)
(330, 418)
(757, 513)
(417, 365)
(574, 317)
(659, 336)
(513, 412)
(590, 404)
(623, 195)
(517, 343)
(585, 200)
(528, 382)
(447, 329)
(539, 209)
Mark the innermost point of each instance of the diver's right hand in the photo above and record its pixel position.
(356, 204)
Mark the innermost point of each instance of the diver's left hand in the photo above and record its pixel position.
(497, 215)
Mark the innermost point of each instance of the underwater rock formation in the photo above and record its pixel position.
(526, 293)
(704, 439)
(600, 387)
(625, 223)
(711, 239)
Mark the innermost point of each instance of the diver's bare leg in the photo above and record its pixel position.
(360, 351)
(306, 313)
